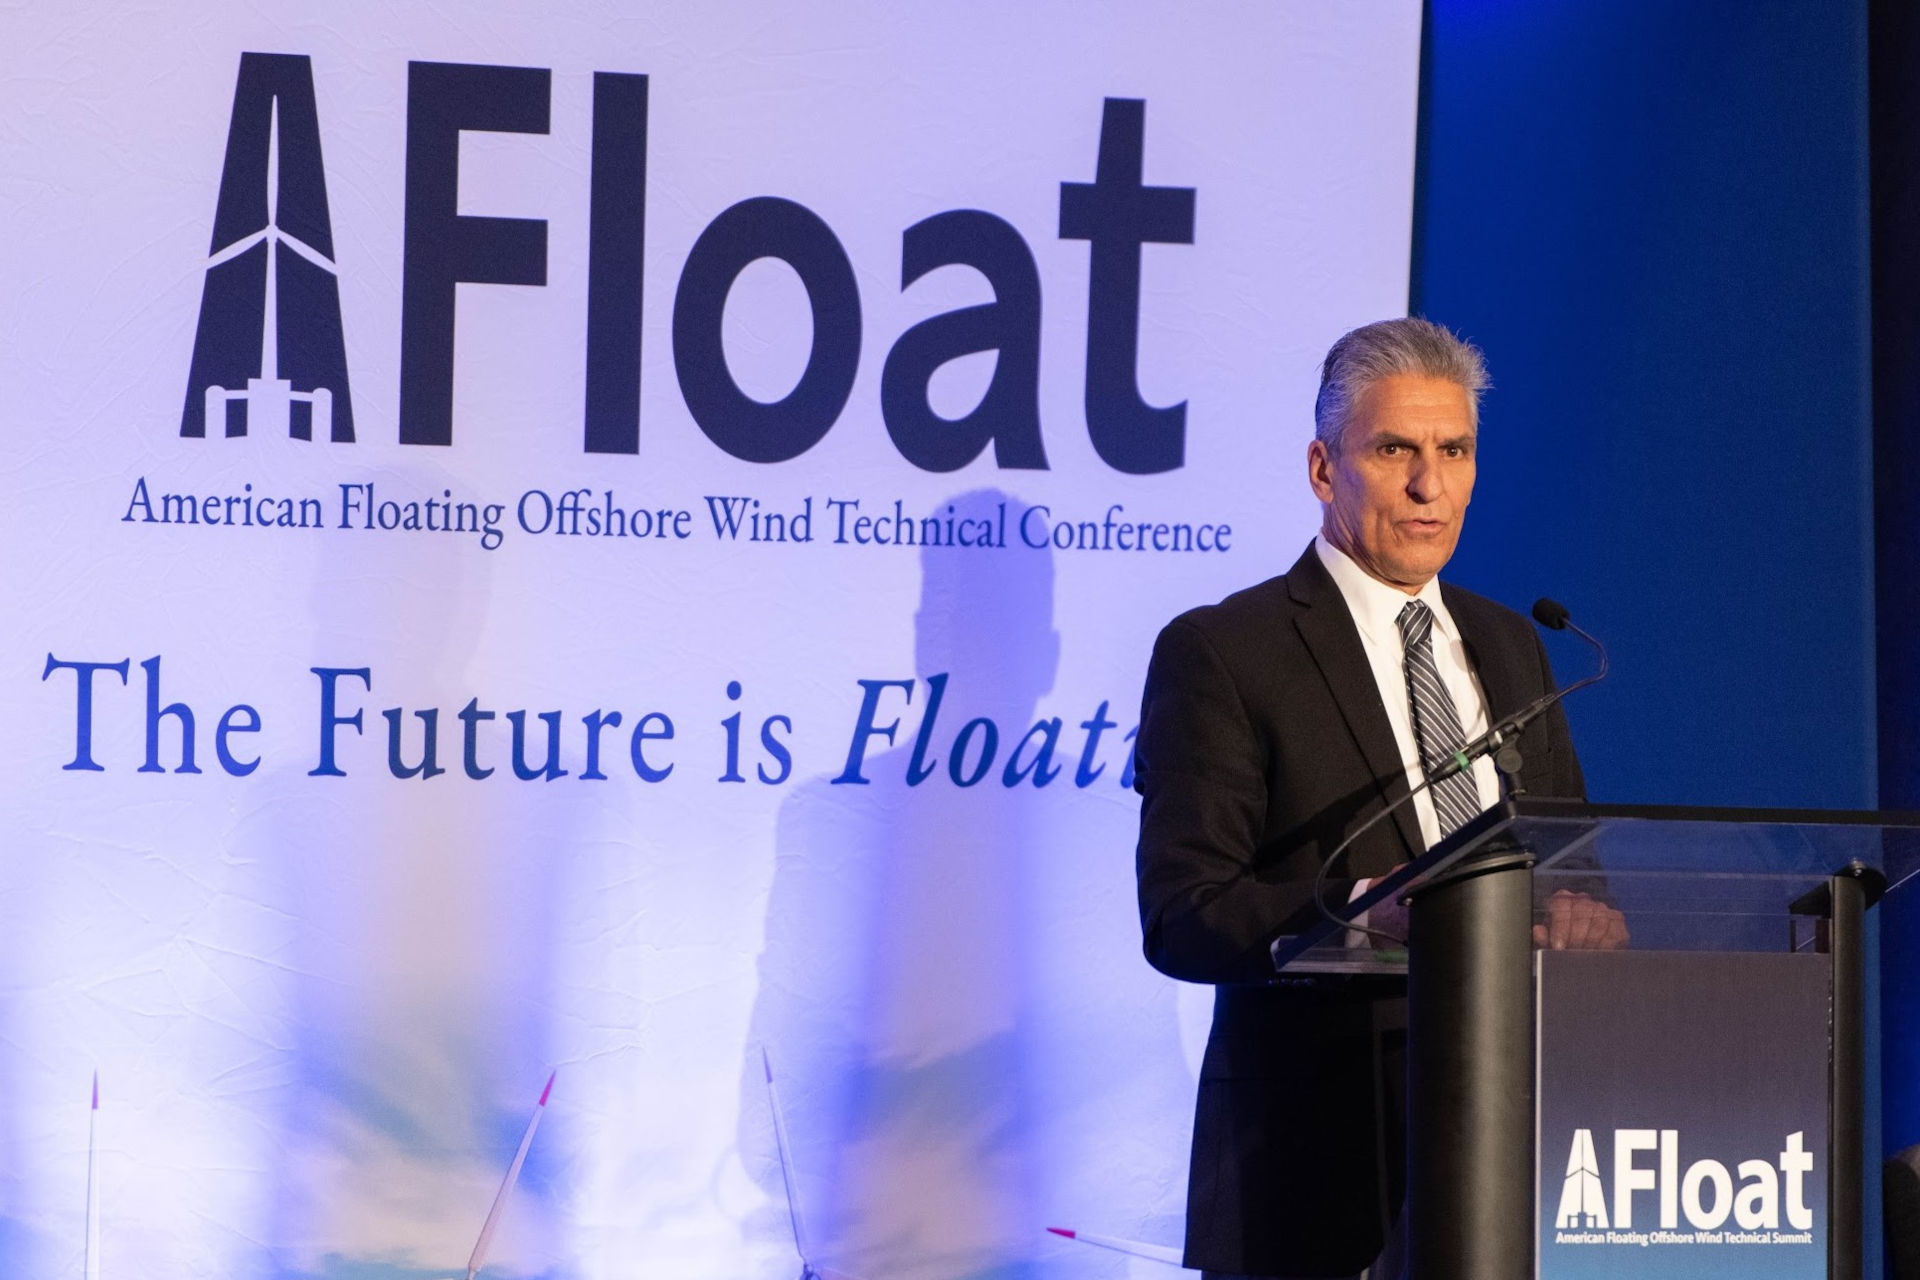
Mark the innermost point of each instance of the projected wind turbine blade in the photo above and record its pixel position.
(92, 1270)
(500, 1198)
(1157, 1252)
(807, 1270)
(786, 1160)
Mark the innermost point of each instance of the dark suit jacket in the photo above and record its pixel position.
(1263, 740)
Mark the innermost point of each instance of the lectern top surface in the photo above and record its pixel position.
(1685, 878)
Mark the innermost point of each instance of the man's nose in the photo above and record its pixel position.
(1425, 480)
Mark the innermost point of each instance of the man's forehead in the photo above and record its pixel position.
(1386, 427)
(1407, 399)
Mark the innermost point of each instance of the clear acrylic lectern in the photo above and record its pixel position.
(1687, 881)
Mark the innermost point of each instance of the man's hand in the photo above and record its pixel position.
(1389, 917)
(1576, 922)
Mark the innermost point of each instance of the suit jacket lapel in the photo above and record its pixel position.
(1497, 670)
(1326, 627)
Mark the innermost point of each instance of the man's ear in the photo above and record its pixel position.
(1320, 469)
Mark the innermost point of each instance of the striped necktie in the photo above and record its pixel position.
(1436, 722)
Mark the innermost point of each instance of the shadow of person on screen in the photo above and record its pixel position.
(421, 914)
(893, 997)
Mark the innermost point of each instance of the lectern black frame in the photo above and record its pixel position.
(1470, 1159)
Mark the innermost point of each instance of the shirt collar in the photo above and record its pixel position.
(1375, 606)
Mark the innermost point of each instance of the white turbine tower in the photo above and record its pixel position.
(269, 398)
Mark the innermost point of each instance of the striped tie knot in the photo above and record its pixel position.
(1416, 623)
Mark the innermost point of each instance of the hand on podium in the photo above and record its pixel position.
(1389, 918)
(1577, 922)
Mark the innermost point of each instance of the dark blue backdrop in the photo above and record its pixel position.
(1654, 216)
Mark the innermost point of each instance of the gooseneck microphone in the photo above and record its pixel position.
(1497, 741)
(1552, 615)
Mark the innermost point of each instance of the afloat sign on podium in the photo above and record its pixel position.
(1685, 1097)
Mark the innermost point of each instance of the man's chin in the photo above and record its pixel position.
(1415, 572)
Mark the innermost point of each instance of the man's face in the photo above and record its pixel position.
(1396, 487)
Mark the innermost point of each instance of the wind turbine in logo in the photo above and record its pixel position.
(269, 397)
(1582, 1196)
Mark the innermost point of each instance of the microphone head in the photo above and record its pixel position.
(1550, 614)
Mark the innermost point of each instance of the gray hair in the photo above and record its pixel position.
(1384, 349)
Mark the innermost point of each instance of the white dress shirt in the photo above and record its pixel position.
(1376, 607)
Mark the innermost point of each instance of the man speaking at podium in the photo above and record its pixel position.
(1272, 725)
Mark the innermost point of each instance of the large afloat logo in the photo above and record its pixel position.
(269, 356)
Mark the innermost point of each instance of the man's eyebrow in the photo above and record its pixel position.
(1457, 442)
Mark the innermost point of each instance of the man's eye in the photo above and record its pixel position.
(1391, 449)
